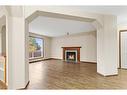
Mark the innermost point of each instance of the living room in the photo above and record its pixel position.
(64, 33)
(56, 35)
(64, 47)
(71, 48)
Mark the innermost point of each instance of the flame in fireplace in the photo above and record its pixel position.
(71, 57)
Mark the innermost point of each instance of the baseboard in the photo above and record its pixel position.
(79, 61)
(55, 59)
(88, 62)
(123, 68)
(33, 61)
(47, 59)
(25, 86)
(111, 75)
(107, 75)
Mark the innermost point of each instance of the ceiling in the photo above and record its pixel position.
(54, 27)
(119, 11)
(57, 27)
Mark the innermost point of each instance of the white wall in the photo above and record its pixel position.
(86, 40)
(47, 44)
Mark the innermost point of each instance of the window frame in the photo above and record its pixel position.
(42, 47)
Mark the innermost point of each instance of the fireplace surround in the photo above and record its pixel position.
(71, 54)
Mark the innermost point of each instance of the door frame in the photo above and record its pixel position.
(120, 47)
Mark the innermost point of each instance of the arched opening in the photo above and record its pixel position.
(33, 78)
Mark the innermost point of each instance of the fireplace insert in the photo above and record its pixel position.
(71, 55)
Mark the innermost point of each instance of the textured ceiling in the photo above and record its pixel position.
(54, 27)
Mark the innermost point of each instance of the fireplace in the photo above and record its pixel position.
(71, 54)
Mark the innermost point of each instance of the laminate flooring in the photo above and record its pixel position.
(56, 74)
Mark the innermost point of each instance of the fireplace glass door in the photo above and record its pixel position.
(71, 55)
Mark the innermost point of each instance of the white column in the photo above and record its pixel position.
(107, 54)
(18, 63)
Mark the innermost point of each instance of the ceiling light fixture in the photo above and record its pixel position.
(67, 33)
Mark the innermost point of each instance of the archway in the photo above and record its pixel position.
(36, 14)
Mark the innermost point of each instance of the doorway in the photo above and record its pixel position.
(123, 49)
(3, 65)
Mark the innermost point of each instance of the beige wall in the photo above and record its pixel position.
(47, 44)
(86, 40)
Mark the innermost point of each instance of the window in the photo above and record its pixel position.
(36, 47)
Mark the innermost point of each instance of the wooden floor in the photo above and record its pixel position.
(55, 74)
(2, 85)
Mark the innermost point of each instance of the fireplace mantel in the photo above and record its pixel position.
(72, 48)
